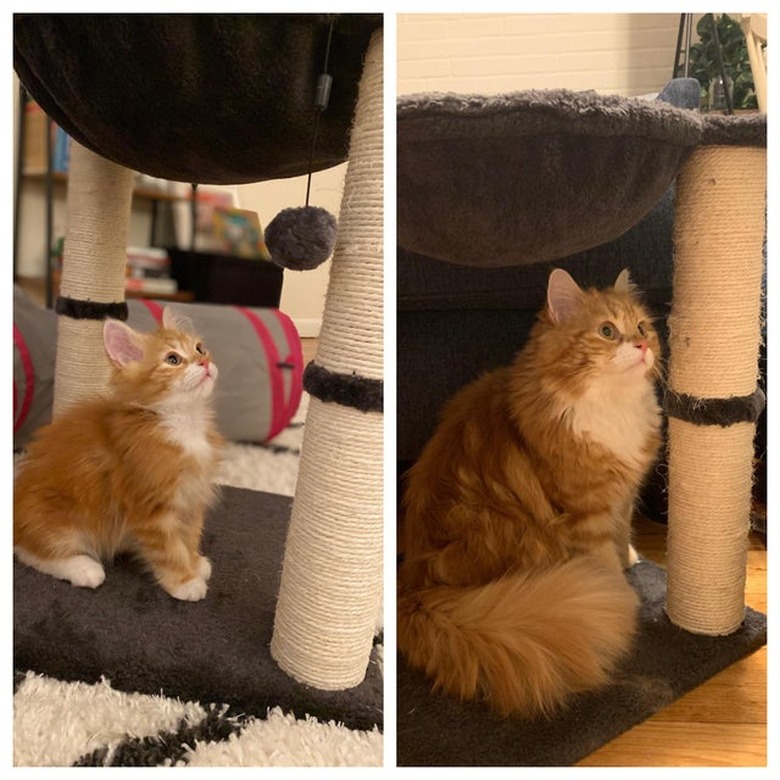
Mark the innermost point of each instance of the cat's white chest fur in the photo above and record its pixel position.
(619, 416)
(188, 428)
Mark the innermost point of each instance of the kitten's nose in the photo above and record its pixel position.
(642, 345)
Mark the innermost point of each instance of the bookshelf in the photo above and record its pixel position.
(207, 275)
(41, 157)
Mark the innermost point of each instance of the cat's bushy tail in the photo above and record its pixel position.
(524, 642)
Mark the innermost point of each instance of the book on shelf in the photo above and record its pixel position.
(35, 151)
(149, 286)
(60, 161)
(148, 271)
(148, 262)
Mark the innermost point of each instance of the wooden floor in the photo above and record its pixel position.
(720, 723)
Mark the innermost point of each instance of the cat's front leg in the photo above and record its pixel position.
(194, 589)
(624, 514)
(165, 544)
(192, 530)
(203, 567)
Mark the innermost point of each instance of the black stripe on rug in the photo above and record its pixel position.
(168, 747)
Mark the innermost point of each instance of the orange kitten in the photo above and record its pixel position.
(129, 472)
(517, 514)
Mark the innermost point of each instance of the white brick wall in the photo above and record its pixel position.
(627, 54)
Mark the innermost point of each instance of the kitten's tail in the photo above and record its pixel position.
(524, 642)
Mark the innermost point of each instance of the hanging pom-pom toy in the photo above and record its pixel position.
(302, 238)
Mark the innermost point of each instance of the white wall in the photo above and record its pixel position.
(627, 54)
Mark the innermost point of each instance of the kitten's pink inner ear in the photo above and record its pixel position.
(121, 343)
(168, 319)
(174, 321)
(623, 282)
(564, 296)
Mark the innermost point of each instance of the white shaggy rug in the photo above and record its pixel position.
(59, 723)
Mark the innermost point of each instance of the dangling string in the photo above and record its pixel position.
(321, 99)
(304, 237)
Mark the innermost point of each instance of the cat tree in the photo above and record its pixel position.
(598, 164)
(332, 574)
(492, 192)
(713, 403)
(331, 583)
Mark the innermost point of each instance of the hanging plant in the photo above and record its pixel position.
(736, 63)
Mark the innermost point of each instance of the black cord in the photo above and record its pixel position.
(321, 99)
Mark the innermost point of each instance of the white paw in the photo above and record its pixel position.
(83, 571)
(192, 590)
(204, 567)
(633, 556)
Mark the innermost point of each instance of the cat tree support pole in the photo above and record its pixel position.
(93, 272)
(714, 340)
(331, 580)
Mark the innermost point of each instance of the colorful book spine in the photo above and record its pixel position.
(60, 150)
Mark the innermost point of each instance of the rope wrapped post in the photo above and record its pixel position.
(714, 342)
(93, 273)
(332, 575)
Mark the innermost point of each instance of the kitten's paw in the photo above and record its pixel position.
(633, 556)
(83, 571)
(192, 590)
(204, 567)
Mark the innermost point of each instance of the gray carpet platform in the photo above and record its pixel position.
(434, 730)
(212, 651)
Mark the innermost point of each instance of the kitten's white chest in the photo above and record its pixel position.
(619, 417)
(188, 428)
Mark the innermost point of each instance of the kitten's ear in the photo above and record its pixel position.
(564, 296)
(623, 283)
(173, 320)
(122, 343)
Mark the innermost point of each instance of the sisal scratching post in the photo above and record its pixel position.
(93, 273)
(332, 575)
(713, 368)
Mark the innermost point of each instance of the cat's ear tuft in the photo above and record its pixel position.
(564, 296)
(122, 343)
(173, 320)
(623, 283)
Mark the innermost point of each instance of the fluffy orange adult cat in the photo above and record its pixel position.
(131, 472)
(517, 514)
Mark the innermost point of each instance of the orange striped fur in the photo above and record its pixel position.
(516, 517)
(129, 472)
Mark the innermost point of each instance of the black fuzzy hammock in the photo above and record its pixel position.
(205, 98)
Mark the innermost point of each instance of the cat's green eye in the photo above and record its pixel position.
(172, 359)
(607, 330)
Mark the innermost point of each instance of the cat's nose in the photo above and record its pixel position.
(642, 345)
